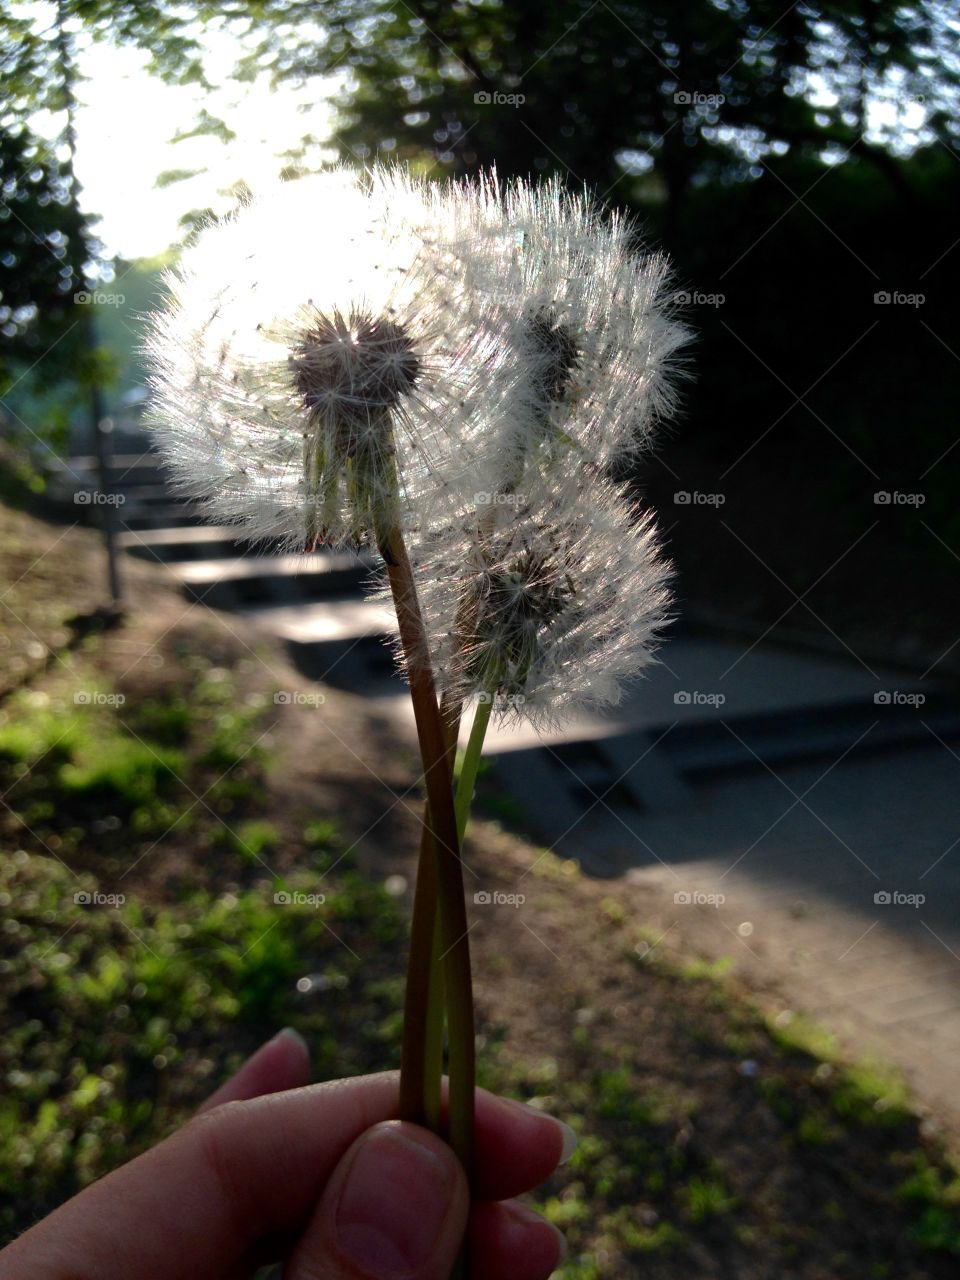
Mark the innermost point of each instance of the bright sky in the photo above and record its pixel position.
(128, 118)
(123, 141)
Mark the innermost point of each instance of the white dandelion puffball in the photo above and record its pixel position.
(588, 316)
(312, 362)
(553, 608)
(360, 354)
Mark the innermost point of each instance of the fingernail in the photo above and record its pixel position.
(290, 1033)
(570, 1139)
(394, 1204)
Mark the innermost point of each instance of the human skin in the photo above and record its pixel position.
(322, 1176)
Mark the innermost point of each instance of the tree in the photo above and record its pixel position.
(685, 90)
(43, 247)
(49, 251)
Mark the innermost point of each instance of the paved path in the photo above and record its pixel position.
(799, 789)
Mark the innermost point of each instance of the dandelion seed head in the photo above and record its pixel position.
(311, 368)
(563, 284)
(347, 368)
(554, 608)
(466, 362)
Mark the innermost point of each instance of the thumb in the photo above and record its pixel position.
(395, 1208)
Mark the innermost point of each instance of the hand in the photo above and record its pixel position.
(322, 1176)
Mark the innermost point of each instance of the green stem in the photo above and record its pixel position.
(432, 1032)
(471, 763)
(421, 1055)
(418, 994)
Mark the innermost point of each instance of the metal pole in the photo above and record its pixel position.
(103, 443)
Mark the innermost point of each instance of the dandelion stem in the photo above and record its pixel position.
(471, 763)
(415, 1104)
(433, 1034)
(449, 869)
(421, 1055)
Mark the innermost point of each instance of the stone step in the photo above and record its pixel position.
(121, 461)
(325, 623)
(244, 581)
(126, 470)
(132, 516)
(806, 734)
(146, 494)
(186, 542)
(337, 642)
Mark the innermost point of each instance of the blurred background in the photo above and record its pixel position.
(193, 728)
(798, 164)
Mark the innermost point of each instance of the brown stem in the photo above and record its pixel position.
(432, 735)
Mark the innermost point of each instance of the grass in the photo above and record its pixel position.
(79, 760)
(116, 1009)
(713, 1141)
(126, 1008)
